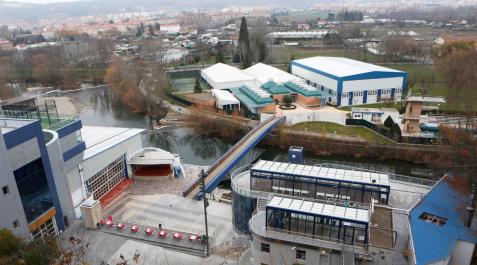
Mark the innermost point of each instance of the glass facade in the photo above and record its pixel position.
(33, 188)
(317, 188)
(317, 226)
(243, 208)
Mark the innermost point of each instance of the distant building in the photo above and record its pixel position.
(303, 26)
(347, 82)
(6, 45)
(170, 28)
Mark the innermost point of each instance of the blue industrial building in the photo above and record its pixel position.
(347, 82)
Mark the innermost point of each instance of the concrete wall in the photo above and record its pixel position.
(59, 174)
(462, 253)
(331, 116)
(24, 153)
(10, 203)
(282, 253)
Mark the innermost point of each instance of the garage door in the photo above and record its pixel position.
(107, 178)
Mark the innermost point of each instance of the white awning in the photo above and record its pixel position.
(225, 97)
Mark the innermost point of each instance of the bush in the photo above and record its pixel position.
(287, 100)
(197, 87)
(9, 243)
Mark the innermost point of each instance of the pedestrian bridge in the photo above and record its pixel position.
(216, 173)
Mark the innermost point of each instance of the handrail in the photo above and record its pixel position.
(230, 151)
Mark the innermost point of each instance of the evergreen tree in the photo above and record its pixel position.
(292, 58)
(151, 30)
(197, 87)
(219, 57)
(389, 122)
(244, 45)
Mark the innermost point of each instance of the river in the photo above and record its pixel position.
(99, 108)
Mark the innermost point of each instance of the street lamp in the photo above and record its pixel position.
(206, 203)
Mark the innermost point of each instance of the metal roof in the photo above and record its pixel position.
(322, 209)
(98, 139)
(264, 73)
(303, 88)
(341, 67)
(220, 72)
(356, 176)
(448, 199)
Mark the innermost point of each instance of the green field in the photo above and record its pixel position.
(353, 131)
(283, 54)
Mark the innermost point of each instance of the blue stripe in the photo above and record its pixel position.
(21, 134)
(314, 70)
(74, 151)
(365, 96)
(69, 129)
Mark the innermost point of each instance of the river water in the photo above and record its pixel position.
(98, 107)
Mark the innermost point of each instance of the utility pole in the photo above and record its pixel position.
(206, 204)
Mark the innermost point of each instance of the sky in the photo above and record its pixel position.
(41, 1)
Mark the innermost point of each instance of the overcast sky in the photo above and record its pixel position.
(42, 1)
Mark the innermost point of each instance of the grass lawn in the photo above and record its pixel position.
(354, 131)
(283, 54)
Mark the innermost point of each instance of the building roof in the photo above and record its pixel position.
(249, 96)
(264, 73)
(426, 99)
(224, 97)
(303, 88)
(9, 125)
(151, 156)
(448, 199)
(220, 72)
(274, 88)
(341, 67)
(321, 209)
(355, 176)
(98, 139)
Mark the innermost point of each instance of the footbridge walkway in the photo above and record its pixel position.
(216, 173)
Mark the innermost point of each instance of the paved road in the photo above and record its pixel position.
(227, 162)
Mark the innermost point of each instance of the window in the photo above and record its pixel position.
(16, 224)
(430, 218)
(5, 190)
(265, 247)
(300, 254)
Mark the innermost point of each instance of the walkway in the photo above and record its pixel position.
(219, 169)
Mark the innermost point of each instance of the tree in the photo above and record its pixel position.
(197, 87)
(258, 41)
(388, 122)
(456, 61)
(244, 45)
(151, 30)
(292, 58)
(219, 56)
(287, 100)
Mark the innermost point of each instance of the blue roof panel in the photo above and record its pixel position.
(447, 199)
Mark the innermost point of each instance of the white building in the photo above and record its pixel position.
(375, 115)
(225, 100)
(104, 162)
(223, 76)
(264, 73)
(347, 82)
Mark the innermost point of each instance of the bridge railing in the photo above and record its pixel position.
(230, 151)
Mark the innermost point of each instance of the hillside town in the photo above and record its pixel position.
(265, 133)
